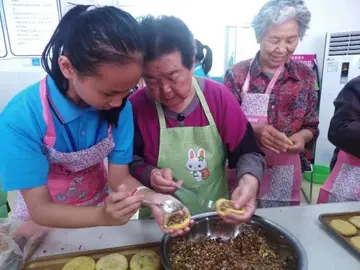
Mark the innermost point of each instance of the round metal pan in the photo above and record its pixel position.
(207, 225)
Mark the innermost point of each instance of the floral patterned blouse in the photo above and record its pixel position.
(293, 101)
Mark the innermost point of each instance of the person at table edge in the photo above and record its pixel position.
(185, 127)
(277, 95)
(343, 183)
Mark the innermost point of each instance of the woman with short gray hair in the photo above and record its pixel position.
(278, 97)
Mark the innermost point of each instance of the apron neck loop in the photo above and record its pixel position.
(202, 101)
(270, 87)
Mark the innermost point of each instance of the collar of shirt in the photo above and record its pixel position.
(63, 106)
(289, 72)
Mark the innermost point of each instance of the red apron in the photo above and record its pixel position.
(281, 184)
(78, 177)
(343, 183)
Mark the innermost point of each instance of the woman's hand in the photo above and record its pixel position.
(161, 180)
(245, 197)
(159, 215)
(120, 206)
(271, 138)
(298, 143)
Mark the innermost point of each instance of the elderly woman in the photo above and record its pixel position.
(278, 97)
(185, 126)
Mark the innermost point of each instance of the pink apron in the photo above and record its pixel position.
(281, 183)
(78, 177)
(343, 183)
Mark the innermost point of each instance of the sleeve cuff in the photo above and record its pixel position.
(253, 164)
(145, 175)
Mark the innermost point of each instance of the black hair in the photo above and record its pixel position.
(204, 59)
(167, 34)
(88, 36)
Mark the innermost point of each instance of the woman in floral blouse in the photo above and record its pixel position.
(278, 97)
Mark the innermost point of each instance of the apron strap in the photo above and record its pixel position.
(203, 101)
(50, 135)
(270, 87)
(161, 115)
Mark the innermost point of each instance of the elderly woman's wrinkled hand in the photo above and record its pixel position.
(298, 142)
(272, 139)
(161, 180)
(244, 197)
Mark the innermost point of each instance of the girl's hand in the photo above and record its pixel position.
(120, 206)
(159, 215)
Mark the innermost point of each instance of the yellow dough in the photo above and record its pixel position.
(80, 263)
(355, 221)
(145, 260)
(177, 226)
(228, 209)
(355, 241)
(343, 227)
(114, 261)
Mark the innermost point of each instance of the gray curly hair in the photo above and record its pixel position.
(278, 12)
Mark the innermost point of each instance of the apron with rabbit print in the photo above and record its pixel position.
(343, 183)
(281, 183)
(74, 178)
(196, 155)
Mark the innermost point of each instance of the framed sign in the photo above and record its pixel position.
(30, 24)
(3, 49)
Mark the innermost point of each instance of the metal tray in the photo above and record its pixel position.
(56, 262)
(326, 219)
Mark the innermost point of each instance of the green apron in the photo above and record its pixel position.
(196, 155)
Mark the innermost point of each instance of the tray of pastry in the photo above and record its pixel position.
(344, 226)
(126, 258)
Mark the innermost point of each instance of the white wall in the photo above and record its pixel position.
(207, 20)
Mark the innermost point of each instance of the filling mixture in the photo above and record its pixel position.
(176, 218)
(227, 205)
(247, 251)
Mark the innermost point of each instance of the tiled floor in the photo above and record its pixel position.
(305, 185)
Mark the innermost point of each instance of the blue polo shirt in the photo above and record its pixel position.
(22, 130)
(199, 71)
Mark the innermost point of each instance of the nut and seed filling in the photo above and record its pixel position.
(176, 218)
(227, 205)
(247, 251)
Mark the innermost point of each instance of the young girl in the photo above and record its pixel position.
(56, 133)
(203, 62)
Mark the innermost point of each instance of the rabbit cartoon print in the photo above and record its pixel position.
(197, 165)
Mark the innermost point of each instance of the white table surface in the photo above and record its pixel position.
(323, 250)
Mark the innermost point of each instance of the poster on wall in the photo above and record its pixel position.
(3, 50)
(30, 24)
(307, 59)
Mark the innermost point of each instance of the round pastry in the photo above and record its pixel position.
(145, 260)
(343, 227)
(355, 241)
(80, 263)
(355, 220)
(176, 221)
(224, 207)
(114, 261)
